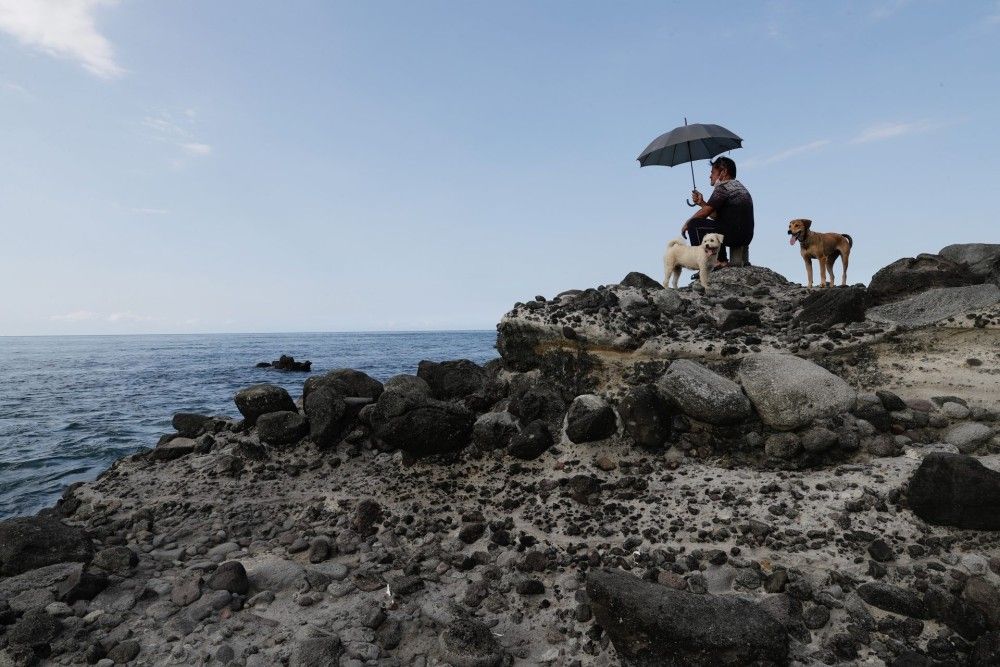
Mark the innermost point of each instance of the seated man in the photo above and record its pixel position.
(729, 211)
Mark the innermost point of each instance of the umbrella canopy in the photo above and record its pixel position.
(687, 143)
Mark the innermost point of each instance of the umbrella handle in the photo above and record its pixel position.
(690, 204)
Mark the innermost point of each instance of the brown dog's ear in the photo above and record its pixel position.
(807, 223)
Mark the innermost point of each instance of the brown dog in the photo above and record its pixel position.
(825, 247)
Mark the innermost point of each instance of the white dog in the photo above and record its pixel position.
(701, 258)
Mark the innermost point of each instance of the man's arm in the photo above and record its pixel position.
(703, 212)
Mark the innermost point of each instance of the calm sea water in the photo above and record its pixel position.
(70, 405)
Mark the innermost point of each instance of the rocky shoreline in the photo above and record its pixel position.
(760, 474)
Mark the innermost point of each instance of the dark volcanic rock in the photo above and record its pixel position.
(452, 379)
(646, 416)
(429, 429)
(894, 599)
(190, 425)
(910, 275)
(288, 363)
(328, 415)
(282, 428)
(346, 382)
(532, 442)
(986, 652)
(316, 652)
(230, 576)
(983, 259)
(833, 306)
(736, 319)
(703, 394)
(651, 624)
(467, 642)
(35, 628)
(30, 542)
(538, 401)
(956, 490)
(261, 399)
(590, 418)
(493, 430)
(641, 280)
(171, 449)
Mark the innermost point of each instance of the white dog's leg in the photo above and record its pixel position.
(676, 275)
(703, 275)
(668, 270)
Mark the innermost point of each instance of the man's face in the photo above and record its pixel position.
(715, 175)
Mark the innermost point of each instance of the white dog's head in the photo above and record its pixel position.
(711, 243)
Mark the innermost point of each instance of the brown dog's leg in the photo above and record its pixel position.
(809, 270)
(843, 260)
(828, 261)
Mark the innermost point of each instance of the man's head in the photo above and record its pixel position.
(723, 168)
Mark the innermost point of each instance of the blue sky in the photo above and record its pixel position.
(193, 166)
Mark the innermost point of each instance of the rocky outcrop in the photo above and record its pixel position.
(982, 259)
(346, 382)
(912, 275)
(287, 363)
(941, 304)
(956, 490)
(425, 430)
(651, 624)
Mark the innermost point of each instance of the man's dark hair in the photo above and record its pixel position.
(727, 164)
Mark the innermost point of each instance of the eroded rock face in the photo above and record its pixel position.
(983, 259)
(911, 275)
(956, 490)
(651, 624)
(261, 399)
(28, 542)
(834, 306)
(936, 305)
(703, 394)
(790, 392)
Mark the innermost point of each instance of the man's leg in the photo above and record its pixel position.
(698, 227)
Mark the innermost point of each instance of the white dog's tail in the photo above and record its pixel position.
(676, 242)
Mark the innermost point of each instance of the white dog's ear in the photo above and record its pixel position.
(721, 238)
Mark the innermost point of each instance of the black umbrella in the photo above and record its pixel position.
(688, 143)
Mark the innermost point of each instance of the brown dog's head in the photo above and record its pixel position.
(797, 229)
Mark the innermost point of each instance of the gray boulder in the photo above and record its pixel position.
(936, 305)
(654, 625)
(531, 442)
(911, 275)
(667, 301)
(955, 490)
(316, 652)
(703, 394)
(646, 416)
(467, 642)
(493, 430)
(403, 393)
(967, 436)
(790, 392)
(31, 542)
(190, 425)
(171, 449)
(285, 427)
(328, 415)
(640, 280)
(261, 399)
(590, 418)
(983, 259)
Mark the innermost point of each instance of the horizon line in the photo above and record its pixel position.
(248, 333)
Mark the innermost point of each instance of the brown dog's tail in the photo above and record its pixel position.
(850, 241)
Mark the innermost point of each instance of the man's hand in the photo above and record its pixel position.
(684, 230)
(697, 198)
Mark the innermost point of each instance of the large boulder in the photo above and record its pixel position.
(654, 625)
(967, 436)
(531, 442)
(703, 394)
(790, 392)
(538, 401)
(285, 427)
(261, 399)
(936, 305)
(191, 425)
(434, 428)
(646, 416)
(452, 379)
(590, 418)
(834, 306)
(316, 652)
(171, 449)
(640, 280)
(956, 490)
(346, 382)
(328, 415)
(493, 430)
(911, 275)
(30, 542)
(467, 642)
(402, 393)
(983, 259)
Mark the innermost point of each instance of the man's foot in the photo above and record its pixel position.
(720, 265)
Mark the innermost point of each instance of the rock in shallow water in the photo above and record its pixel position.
(651, 624)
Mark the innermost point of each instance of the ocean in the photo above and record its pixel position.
(70, 405)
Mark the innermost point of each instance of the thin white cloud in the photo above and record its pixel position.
(129, 316)
(75, 316)
(892, 130)
(197, 149)
(149, 211)
(785, 154)
(64, 29)
(888, 8)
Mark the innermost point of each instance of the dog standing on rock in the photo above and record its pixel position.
(701, 258)
(825, 247)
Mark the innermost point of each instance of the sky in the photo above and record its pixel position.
(251, 166)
